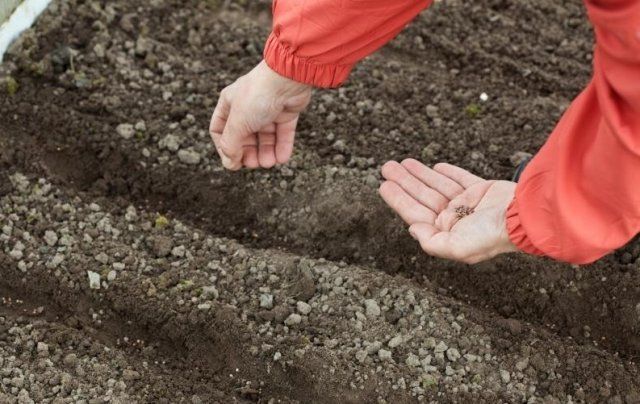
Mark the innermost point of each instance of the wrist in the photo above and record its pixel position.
(284, 86)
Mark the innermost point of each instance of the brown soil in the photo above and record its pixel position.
(559, 332)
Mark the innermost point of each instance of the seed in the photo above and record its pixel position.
(462, 211)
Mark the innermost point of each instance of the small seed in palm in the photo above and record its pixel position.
(462, 211)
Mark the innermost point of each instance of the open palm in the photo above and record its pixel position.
(451, 212)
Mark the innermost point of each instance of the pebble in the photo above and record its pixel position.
(371, 308)
(384, 355)
(293, 319)
(16, 254)
(162, 246)
(130, 375)
(102, 258)
(453, 355)
(170, 142)
(303, 308)
(55, 261)
(361, 355)
(111, 276)
(505, 376)
(179, 251)
(43, 349)
(266, 301)
(395, 341)
(190, 157)
(50, 237)
(70, 360)
(204, 306)
(126, 130)
(441, 347)
(94, 280)
(413, 360)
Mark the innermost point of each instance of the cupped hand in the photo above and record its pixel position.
(452, 213)
(254, 122)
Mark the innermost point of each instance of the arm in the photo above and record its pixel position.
(313, 43)
(319, 42)
(579, 198)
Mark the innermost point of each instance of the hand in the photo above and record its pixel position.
(254, 122)
(451, 212)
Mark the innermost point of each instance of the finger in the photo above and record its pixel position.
(432, 240)
(410, 210)
(250, 157)
(285, 136)
(219, 121)
(267, 149)
(427, 196)
(459, 175)
(441, 183)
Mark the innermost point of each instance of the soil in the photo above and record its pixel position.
(135, 269)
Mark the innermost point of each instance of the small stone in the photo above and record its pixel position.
(16, 254)
(162, 246)
(170, 142)
(126, 130)
(210, 292)
(395, 341)
(50, 237)
(179, 251)
(277, 356)
(374, 347)
(266, 301)
(293, 319)
(522, 364)
(102, 258)
(129, 375)
(441, 347)
(361, 356)
(303, 308)
(55, 261)
(484, 97)
(204, 306)
(190, 157)
(505, 376)
(70, 360)
(111, 276)
(43, 349)
(94, 280)
(384, 355)
(453, 354)
(413, 360)
(371, 308)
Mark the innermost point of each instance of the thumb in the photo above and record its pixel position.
(230, 144)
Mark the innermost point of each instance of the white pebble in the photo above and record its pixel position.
(303, 308)
(94, 280)
(50, 237)
(371, 308)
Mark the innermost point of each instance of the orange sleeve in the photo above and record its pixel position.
(318, 42)
(579, 198)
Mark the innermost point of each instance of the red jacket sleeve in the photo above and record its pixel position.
(318, 42)
(579, 198)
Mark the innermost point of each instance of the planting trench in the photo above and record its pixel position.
(84, 71)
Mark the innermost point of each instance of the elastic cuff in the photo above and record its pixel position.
(517, 233)
(282, 60)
